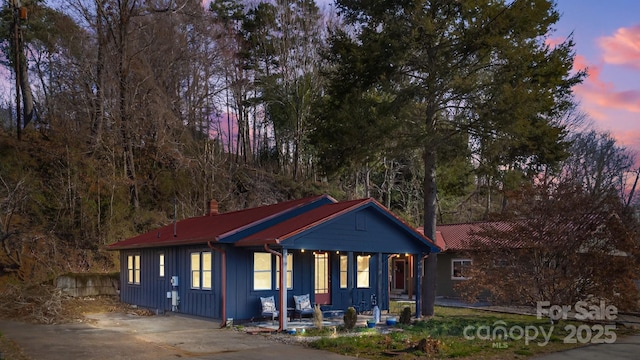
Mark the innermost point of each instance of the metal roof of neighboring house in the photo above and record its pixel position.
(461, 236)
(439, 240)
(201, 229)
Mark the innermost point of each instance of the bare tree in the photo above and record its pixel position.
(569, 244)
(598, 163)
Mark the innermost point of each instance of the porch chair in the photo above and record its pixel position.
(269, 307)
(303, 306)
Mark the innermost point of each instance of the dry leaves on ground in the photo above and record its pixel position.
(46, 304)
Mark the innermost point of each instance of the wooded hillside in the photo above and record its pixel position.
(139, 112)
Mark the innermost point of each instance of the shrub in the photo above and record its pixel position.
(317, 317)
(405, 316)
(350, 318)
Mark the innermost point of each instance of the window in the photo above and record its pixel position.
(321, 270)
(206, 270)
(460, 268)
(201, 265)
(133, 269)
(261, 271)
(344, 266)
(161, 266)
(195, 270)
(289, 272)
(363, 271)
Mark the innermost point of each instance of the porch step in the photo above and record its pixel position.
(254, 330)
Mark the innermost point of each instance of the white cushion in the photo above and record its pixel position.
(268, 304)
(302, 302)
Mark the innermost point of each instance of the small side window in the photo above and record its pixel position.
(161, 265)
(460, 269)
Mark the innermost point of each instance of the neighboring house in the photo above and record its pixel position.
(459, 246)
(454, 260)
(220, 265)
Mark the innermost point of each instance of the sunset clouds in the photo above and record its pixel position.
(623, 48)
(610, 95)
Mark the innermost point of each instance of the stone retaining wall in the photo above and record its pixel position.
(89, 284)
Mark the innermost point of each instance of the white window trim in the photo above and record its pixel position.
(368, 272)
(133, 272)
(289, 276)
(201, 270)
(161, 265)
(270, 271)
(344, 272)
(453, 261)
(204, 270)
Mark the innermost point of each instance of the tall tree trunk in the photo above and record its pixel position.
(25, 88)
(430, 266)
(98, 121)
(125, 119)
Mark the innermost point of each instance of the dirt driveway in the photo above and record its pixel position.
(121, 336)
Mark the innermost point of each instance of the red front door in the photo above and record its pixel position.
(398, 274)
(322, 283)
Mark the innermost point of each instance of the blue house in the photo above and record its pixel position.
(221, 264)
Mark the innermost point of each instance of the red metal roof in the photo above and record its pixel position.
(293, 226)
(439, 240)
(288, 228)
(460, 236)
(201, 229)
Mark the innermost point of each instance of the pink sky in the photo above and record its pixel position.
(607, 36)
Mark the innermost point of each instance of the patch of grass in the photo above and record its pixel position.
(396, 307)
(456, 332)
(325, 331)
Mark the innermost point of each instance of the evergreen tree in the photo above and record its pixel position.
(413, 74)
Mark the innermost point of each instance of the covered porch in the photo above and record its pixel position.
(340, 255)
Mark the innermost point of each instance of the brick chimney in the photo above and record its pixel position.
(213, 207)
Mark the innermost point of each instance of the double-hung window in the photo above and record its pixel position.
(262, 271)
(344, 268)
(289, 277)
(201, 265)
(362, 263)
(264, 276)
(133, 269)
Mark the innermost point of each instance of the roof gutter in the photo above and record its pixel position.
(223, 284)
(281, 290)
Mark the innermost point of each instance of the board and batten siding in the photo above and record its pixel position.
(199, 302)
(242, 302)
(151, 292)
(373, 233)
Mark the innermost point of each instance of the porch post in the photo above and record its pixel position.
(418, 276)
(379, 282)
(350, 277)
(283, 290)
